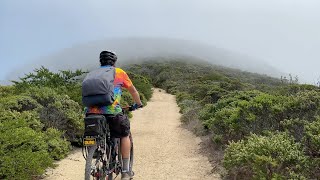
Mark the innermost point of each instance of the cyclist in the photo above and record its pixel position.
(120, 125)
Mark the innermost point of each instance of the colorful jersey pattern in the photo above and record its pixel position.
(121, 81)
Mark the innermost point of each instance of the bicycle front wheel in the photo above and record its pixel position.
(131, 155)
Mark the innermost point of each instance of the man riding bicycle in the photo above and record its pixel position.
(120, 125)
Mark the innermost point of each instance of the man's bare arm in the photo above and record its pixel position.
(135, 95)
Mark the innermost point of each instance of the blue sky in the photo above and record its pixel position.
(284, 33)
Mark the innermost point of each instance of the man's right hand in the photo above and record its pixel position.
(135, 106)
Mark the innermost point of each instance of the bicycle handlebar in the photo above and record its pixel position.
(132, 107)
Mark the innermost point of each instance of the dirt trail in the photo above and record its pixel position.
(163, 149)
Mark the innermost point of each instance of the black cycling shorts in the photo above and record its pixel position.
(119, 125)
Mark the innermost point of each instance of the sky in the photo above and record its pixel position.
(283, 33)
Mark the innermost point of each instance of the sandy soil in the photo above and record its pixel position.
(163, 149)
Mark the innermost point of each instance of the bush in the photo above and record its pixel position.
(24, 164)
(311, 141)
(43, 95)
(187, 105)
(312, 138)
(19, 103)
(58, 147)
(142, 84)
(65, 115)
(23, 151)
(275, 156)
(6, 90)
(22, 119)
(240, 113)
(180, 96)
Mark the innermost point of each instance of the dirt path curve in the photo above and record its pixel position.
(163, 149)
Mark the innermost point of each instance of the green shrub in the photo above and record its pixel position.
(58, 147)
(126, 98)
(311, 142)
(22, 119)
(43, 95)
(180, 96)
(312, 137)
(63, 114)
(213, 95)
(6, 90)
(24, 164)
(23, 151)
(293, 89)
(42, 77)
(187, 105)
(275, 156)
(142, 84)
(295, 127)
(238, 114)
(19, 103)
(241, 113)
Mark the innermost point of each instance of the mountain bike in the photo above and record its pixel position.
(101, 151)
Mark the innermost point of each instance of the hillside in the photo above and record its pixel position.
(267, 128)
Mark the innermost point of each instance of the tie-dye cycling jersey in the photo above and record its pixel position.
(121, 80)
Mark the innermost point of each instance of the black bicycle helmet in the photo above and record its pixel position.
(107, 58)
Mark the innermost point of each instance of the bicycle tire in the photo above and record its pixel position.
(131, 155)
(119, 154)
(97, 162)
(90, 151)
(110, 176)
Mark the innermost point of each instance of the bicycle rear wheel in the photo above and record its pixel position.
(110, 176)
(94, 165)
